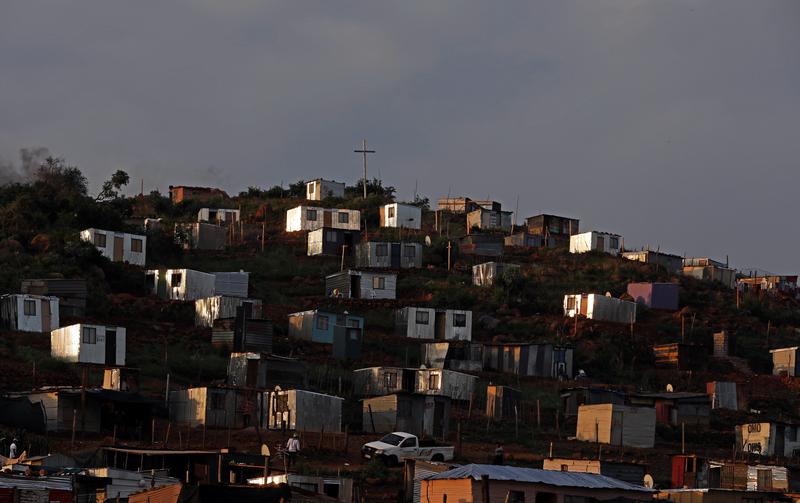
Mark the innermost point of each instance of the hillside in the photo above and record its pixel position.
(38, 238)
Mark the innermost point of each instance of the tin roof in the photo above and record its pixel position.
(536, 476)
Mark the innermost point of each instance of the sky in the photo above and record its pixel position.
(671, 122)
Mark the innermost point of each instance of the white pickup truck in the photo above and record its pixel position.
(399, 446)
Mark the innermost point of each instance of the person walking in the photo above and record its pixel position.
(292, 449)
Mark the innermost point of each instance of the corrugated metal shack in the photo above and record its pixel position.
(201, 236)
(180, 284)
(319, 325)
(723, 344)
(671, 263)
(617, 425)
(421, 415)
(398, 215)
(655, 295)
(462, 356)
(347, 342)
(680, 356)
(29, 313)
(502, 402)
(770, 284)
(676, 408)
(309, 218)
(489, 220)
(386, 255)
(768, 438)
(232, 283)
(572, 398)
(209, 309)
(603, 242)
(704, 268)
(433, 324)
(632, 473)
(556, 230)
(330, 241)
(242, 334)
(84, 343)
(527, 240)
(488, 273)
(374, 381)
(219, 216)
(215, 407)
(528, 359)
(118, 246)
(455, 204)
(295, 409)
(71, 293)
(263, 371)
(319, 189)
(481, 245)
(356, 284)
(692, 471)
(724, 395)
(599, 307)
(785, 361)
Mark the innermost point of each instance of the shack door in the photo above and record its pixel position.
(45, 315)
(780, 438)
(601, 243)
(438, 418)
(111, 347)
(251, 380)
(584, 306)
(326, 218)
(355, 286)
(119, 244)
(440, 328)
(395, 256)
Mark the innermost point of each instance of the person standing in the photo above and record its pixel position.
(292, 448)
(498, 454)
(12, 449)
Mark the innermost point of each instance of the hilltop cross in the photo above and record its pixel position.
(364, 152)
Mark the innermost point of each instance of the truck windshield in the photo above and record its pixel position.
(392, 439)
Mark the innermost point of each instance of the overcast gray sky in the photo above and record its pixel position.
(672, 122)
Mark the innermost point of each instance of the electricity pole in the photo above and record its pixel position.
(364, 152)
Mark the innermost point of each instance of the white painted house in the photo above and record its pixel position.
(405, 216)
(599, 307)
(84, 343)
(29, 313)
(434, 324)
(319, 189)
(180, 284)
(219, 216)
(118, 246)
(310, 218)
(604, 242)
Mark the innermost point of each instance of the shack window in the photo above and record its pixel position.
(30, 307)
(516, 497)
(100, 239)
(322, 322)
(390, 212)
(613, 243)
(409, 251)
(381, 250)
(378, 283)
(344, 217)
(353, 323)
(570, 302)
(434, 381)
(459, 320)
(311, 187)
(423, 317)
(176, 279)
(390, 380)
(89, 335)
(331, 236)
(136, 245)
(311, 215)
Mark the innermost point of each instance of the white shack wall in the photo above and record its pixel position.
(297, 219)
(129, 256)
(419, 330)
(14, 312)
(587, 241)
(406, 216)
(66, 343)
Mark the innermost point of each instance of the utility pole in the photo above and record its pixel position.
(364, 152)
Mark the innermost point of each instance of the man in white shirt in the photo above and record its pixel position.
(12, 449)
(292, 448)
